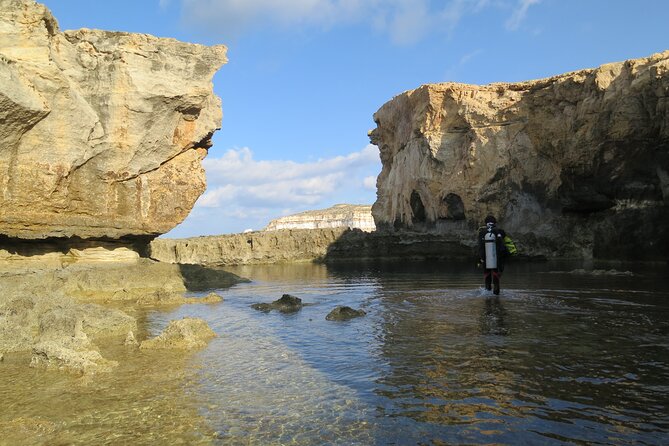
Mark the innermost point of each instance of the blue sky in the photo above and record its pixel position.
(304, 78)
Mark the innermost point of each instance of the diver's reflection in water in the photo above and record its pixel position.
(492, 318)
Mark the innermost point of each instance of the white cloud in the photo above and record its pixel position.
(250, 192)
(519, 14)
(404, 21)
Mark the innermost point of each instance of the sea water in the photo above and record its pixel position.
(565, 355)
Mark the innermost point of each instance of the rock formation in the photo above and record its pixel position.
(338, 216)
(306, 245)
(184, 334)
(286, 304)
(344, 313)
(573, 165)
(101, 133)
(286, 245)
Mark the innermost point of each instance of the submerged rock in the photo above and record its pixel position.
(343, 313)
(130, 340)
(70, 355)
(286, 304)
(185, 334)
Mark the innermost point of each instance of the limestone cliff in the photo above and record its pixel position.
(338, 216)
(101, 133)
(249, 248)
(307, 245)
(573, 165)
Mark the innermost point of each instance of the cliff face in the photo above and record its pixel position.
(339, 216)
(251, 248)
(101, 133)
(577, 164)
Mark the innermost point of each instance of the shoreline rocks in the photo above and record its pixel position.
(309, 245)
(184, 334)
(59, 312)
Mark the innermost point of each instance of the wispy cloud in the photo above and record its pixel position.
(404, 21)
(369, 183)
(452, 73)
(519, 14)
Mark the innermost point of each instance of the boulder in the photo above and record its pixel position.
(211, 298)
(185, 334)
(130, 340)
(286, 304)
(573, 165)
(343, 313)
(102, 133)
(74, 355)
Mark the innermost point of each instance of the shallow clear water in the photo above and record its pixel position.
(557, 358)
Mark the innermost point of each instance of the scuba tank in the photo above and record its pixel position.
(490, 250)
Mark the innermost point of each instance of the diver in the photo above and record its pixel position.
(494, 246)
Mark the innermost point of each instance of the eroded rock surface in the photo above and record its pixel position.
(286, 304)
(184, 334)
(58, 312)
(101, 133)
(286, 245)
(573, 165)
(344, 313)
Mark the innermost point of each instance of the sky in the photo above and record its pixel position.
(305, 77)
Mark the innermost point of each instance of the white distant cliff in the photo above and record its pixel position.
(338, 216)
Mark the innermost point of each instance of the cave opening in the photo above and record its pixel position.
(417, 208)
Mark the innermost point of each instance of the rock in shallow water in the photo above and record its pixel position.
(287, 304)
(343, 313)
(211, 298)
(70, 355)
(185, 334)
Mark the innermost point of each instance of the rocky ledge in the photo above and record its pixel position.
(102, 135)
(573, 165)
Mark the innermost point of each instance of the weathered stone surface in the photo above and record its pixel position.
(573, 165)
(54, 310)
(71, 358)
(343, 313)
(185, 334)
(300, 245)
(287, 245)
(33, 314)
(211, 298)
(338, 216)
(286, 304)
(101, 133)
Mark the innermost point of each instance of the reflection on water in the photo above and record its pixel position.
(556, 359)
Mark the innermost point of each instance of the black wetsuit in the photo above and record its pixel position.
(492, 275)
